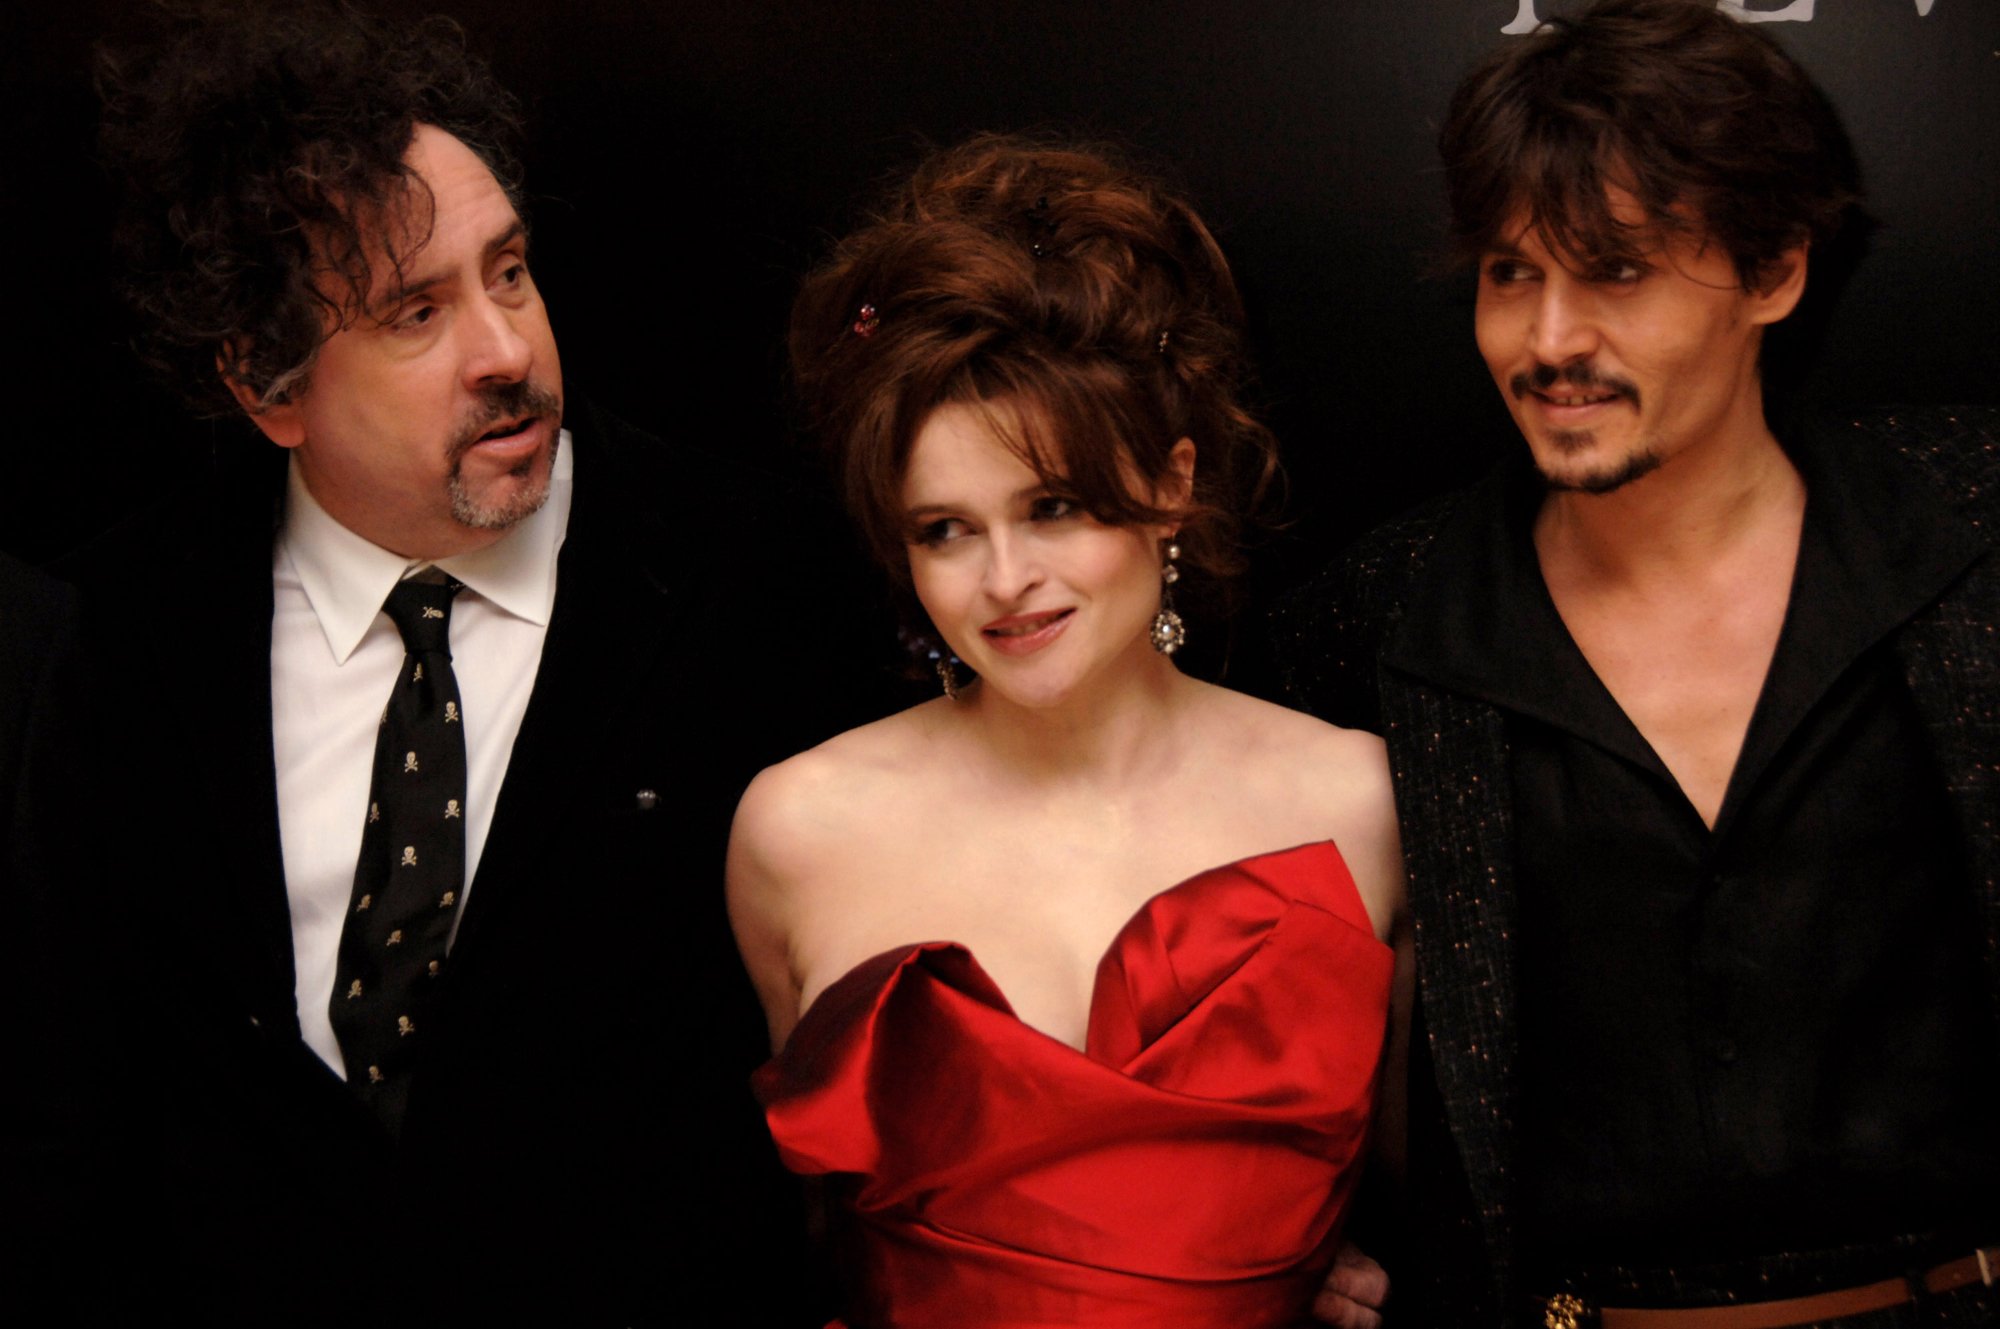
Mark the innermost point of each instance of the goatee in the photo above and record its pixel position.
(498, 403)
(1640, 463)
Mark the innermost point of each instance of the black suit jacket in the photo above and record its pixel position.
(581, 1147)
(1339, 640)
(52, 1112)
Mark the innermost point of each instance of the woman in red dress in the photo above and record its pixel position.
(1079, 974)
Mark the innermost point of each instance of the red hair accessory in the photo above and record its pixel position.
(865, 325)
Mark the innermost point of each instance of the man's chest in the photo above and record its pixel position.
(1686, 670)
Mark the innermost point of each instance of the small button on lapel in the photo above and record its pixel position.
(647, 799)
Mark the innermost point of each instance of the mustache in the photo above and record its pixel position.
(503, 401)
(1581, 376)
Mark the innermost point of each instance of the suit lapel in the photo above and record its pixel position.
(1448, 755)
(1953, 673)
(607, 636)
(1449, 759)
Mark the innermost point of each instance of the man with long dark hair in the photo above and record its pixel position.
(1692, 723)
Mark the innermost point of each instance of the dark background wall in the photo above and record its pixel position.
(688, 161)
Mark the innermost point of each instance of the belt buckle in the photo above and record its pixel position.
(1565, 1310)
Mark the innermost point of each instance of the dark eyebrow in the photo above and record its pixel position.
(924, 511)
(417, 285)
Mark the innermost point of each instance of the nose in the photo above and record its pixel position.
(1564, 327)
(495, 351)
(1012, 566)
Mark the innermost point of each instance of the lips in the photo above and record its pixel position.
(1577, 399)
(1573, 389)
(1023, 634)
(506, 429)
(512, 442)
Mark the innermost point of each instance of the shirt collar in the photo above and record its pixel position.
(346, 577)
(1877, 547)
(1480, 621)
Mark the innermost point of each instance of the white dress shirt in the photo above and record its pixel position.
(334, 660)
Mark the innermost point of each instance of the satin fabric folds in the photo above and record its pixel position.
(1189, 1168)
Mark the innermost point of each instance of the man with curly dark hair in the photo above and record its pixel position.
(517, 1088)
(1692, 719)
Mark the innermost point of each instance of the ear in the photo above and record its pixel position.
(1175, 491)
(280, 422)
(1783, 285)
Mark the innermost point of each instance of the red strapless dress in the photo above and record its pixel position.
(1188, 1169)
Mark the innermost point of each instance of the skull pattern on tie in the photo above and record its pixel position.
(412, 864)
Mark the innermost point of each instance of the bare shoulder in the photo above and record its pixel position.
(1325, 760)
(1325, 777)
(800, 828)
(826, 797)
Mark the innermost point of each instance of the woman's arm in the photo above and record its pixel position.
(1357, 1288)
(760, 897)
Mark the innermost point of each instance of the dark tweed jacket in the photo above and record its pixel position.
(1448, 754)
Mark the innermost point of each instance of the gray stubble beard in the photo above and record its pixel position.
(523, 503)
(502, 402)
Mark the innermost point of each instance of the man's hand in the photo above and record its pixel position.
(1354, 1293)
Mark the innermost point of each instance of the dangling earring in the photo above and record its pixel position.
(1169, 633)
(946, 665)
(924, 647)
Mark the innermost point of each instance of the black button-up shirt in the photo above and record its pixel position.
(1771, 1035)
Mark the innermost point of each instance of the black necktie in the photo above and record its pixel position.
(412, 864)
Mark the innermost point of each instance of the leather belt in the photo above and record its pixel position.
(1567, 1311)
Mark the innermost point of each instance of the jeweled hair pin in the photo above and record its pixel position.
(867, 321)
(1040, 220)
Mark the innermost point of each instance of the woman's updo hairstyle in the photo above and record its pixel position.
(1077, 298)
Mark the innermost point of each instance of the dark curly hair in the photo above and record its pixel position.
(1709, 125)
(261, 146)
(1068, 289)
